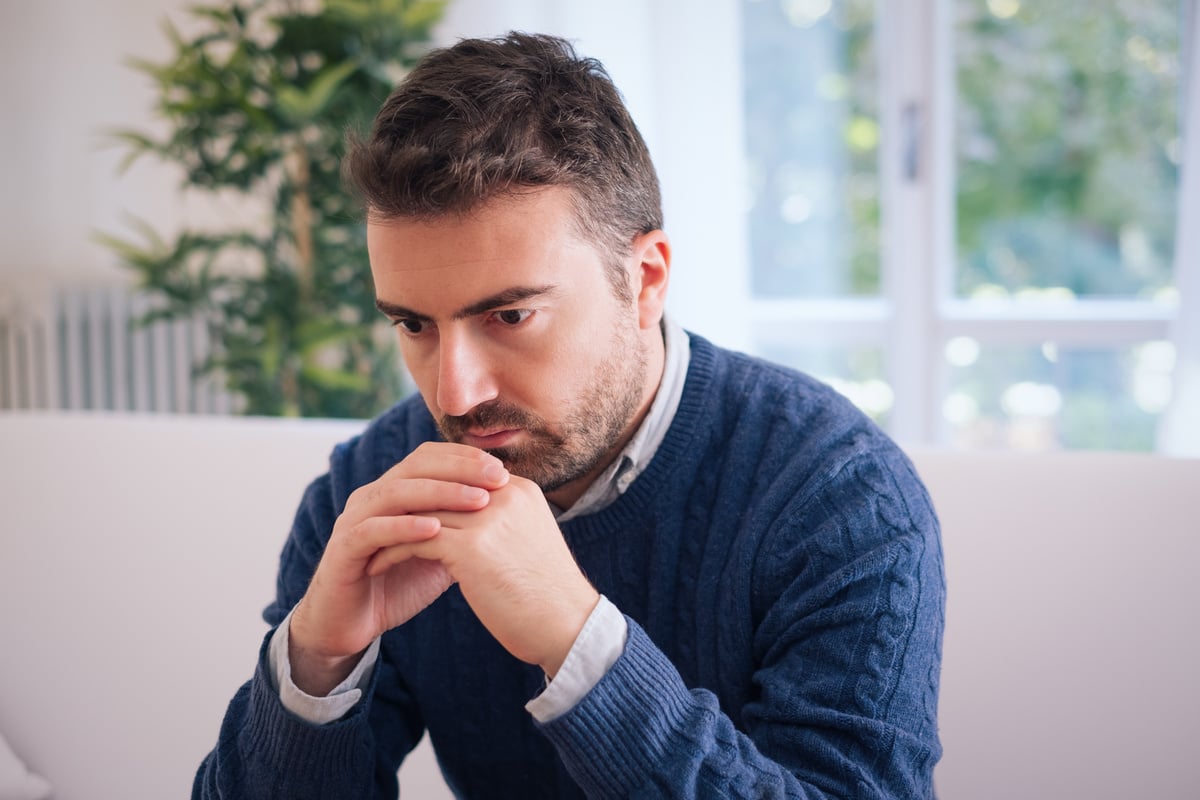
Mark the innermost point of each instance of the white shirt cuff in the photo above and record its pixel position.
(596, 649)
(317, 710)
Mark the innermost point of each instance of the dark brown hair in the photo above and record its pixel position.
(491, 117)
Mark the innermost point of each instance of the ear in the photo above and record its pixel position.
(652, 267)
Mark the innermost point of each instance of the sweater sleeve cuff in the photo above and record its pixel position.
(622, 730)
(302, 753)
(595, 650)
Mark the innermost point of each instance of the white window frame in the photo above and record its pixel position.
(917, 313)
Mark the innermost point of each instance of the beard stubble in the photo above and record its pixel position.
(556, 455)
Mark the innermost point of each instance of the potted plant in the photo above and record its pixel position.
(257, 103)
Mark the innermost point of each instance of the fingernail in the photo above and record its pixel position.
(425, 524)
(474, 493)
(495, 471)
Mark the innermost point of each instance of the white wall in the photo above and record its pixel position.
(63, 84)
(1070, 648)
(136, 554)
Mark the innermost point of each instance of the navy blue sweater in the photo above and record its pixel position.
(780, 566)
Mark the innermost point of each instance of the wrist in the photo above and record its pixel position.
(573, 621)
(315, 673)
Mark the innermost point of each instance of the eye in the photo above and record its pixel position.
(513, 316)
(410, 326)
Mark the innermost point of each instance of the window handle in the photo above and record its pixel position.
(910, 125)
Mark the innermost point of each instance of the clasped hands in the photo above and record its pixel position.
(448, 513)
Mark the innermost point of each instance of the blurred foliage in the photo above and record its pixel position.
(1066, 124)
(1067, 135)
(257, 103)
(812, 135)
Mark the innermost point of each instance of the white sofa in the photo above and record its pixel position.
(137, 552)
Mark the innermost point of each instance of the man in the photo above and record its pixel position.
(597, 556)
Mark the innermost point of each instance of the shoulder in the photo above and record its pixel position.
(743, 384)
(810, 450)
(765, 406)
(827, 498)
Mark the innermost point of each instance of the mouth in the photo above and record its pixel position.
(488, 439)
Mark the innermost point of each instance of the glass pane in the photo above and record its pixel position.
(1048, 397)
(1067, 145)
(856, 372)
(812, 135)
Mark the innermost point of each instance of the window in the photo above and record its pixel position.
(963, 212)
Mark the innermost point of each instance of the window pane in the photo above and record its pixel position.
(1037, 398)
(1068, 146)
(856, 372)
(812, 134)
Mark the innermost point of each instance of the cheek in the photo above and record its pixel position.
(547, 379)
(574, 363)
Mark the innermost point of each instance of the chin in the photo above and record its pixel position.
(550, 470)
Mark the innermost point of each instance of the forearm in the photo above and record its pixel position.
(641, 727)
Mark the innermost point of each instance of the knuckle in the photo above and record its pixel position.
(363, 495)
(355, 533)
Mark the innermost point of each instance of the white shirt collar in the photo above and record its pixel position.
(625, 468)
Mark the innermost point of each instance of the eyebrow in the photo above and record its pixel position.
(505, 298)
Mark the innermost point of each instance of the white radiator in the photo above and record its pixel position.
(83, 349)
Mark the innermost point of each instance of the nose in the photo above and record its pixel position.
(465, 376)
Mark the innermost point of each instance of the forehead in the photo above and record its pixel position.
(453, 260)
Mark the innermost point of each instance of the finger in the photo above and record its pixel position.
(409, 495)
(449, 461)
(511, 500)
(388, 557)
(348, 554)
(457, 520)
(378, 533)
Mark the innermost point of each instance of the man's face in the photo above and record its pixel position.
(511, 329)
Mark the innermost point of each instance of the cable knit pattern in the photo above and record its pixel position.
(780, 566)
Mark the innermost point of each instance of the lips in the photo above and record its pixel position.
(486, 440)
